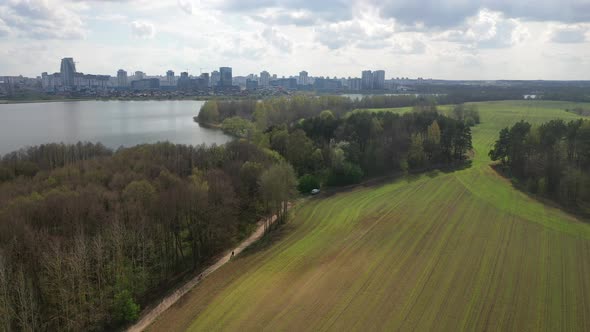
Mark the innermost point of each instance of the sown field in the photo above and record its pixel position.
(441, 251)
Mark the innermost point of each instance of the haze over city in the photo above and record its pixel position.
(451, 40)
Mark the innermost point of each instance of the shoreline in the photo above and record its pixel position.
(188, 98)
(40, 101)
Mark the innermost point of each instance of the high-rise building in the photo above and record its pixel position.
(225, 76)
(264, 79)
(205, 81)
(251, 84)
(215, 78)
(170, 77)
(355, 84)
(183, 82)
(146, 84)
(121, 78)
(68, 71)
(379, 79)
(303, 78)
(139, 75)
(367, 78)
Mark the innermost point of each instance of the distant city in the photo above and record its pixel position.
(69, 81)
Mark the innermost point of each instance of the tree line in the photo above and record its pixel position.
(551, 160)
(341, 147)
(85, 241)
(285, 110)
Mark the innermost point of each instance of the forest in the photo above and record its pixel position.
(551, 160)
(273, 111)
(328, 144)
(87, 234)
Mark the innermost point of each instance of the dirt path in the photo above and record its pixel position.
(167, 302)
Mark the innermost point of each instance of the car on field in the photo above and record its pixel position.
(315, 191)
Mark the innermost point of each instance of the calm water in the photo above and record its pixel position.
(113, 123)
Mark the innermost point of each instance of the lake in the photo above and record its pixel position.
(113, 123)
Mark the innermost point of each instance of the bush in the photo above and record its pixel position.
(348, 174)
(124, 308)
(237, 127)
(6, 174)
(307, 183)
(404, 166)
(209, 112)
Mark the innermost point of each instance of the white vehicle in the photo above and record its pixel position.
(315, 191)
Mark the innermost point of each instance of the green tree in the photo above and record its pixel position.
(238, 127)
(278, 184)
(299, 151)
(124, 307)
(307, 183)
(500, 150)
(209, 112)
(416, 156)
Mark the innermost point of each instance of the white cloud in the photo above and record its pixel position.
(186, 6)
(569, 34)
(277, 16)
(408, 46)
(143, 29)
(452, 13)
(327, 11)
(276, 39)
(366, 31)
(4, 29)
(42, 19)
(431, 38)
(487, 29)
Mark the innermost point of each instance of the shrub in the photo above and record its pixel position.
(348, 174)
(307, 183)
(124, 308)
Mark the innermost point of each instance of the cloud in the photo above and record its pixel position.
(277, 16)
(186, 6)
(276, 39)
(240, 46)
(429, 13)
(543, 10)
(4, 29)
(41, 19)
(487, 29)
(338, 35)
(414, 13)
(569, 34)
(143, 29)
(365, 32)
(408, 46)
(309, 11)
(452, 13)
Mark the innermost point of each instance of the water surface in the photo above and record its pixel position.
(113, 123)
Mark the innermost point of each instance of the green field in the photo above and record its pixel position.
(440, 251)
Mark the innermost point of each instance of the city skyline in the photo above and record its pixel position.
(68, 68)
(484, 40)
(68, 80)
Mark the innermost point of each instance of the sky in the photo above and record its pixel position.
(454, 39)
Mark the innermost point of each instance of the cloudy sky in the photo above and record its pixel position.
(453, 39)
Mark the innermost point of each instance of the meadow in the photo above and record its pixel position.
(451, 251)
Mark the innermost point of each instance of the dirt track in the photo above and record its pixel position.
(167, 302)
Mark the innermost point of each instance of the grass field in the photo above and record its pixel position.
(440, 251)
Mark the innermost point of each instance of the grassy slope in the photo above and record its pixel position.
(455, 251)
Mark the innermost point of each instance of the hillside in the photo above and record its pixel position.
(442, 251)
